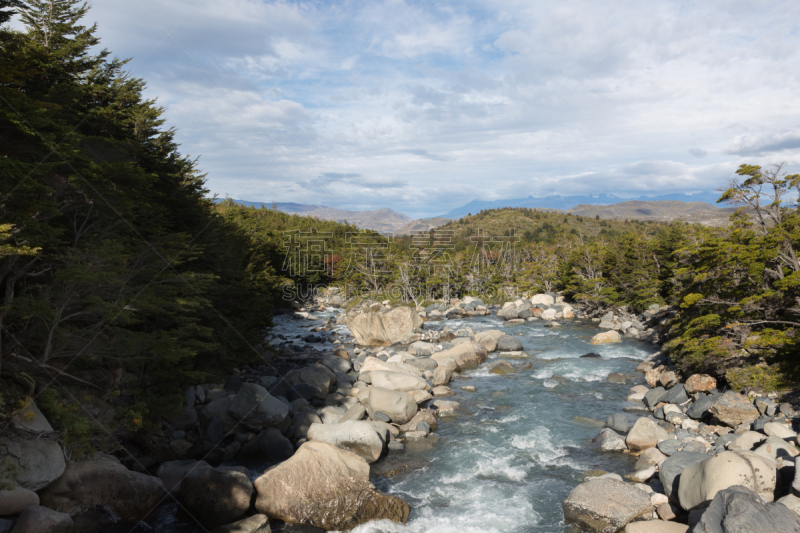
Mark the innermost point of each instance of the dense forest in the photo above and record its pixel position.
(122, 281)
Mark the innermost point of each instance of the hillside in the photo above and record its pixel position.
(382, 220)
(664, 210)
(422, 224)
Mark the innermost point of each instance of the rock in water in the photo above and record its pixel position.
(609, 440)
(733, 409)
(740, 510)
(325, 487)
(606, 337)
(358, 437)
(216, 497)
(701, 482)
(509, 343)
(605, 505)
(253, 524)
(88, 483)
(501, 368)
(645, 434)
(383, 328)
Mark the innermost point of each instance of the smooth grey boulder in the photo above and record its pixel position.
(605, 504)
(654, 396)
(701, 406)
(676, 395)
(423, 363)
(396, 381)
(256, 408)
(609, 440)
(356, 412)
(645, 434)
(619, 423)
(733, 409)
(509, 343)
(357, 436)
(670, 470)
(172, 473)
(400, 407)
(336, 364)
(216, 497)
(14, 500)
(701, 481)
(35, 463)
(318, 376)
(670, 446)
(738, 509)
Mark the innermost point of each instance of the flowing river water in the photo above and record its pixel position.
(505, 464)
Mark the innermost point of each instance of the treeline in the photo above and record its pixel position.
(120, 281)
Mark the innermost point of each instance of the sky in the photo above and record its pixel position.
(425, 106)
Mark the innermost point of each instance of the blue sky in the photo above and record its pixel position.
(424, 106)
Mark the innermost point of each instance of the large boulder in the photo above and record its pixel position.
(488, 339)
(733, 409)
(215, 497)
(257, 409)
(607, 337)
(609, 440)
(467, 355)
(645, 434)
(91, 482)
(738, 509)
(501, 368)
(383, 328)
(605, 505)
(38, 519)
(701, 481)
(656, 526)
(172, 473)
(399, 406)
(318, 376)
(325, 487)
(442, 375)
(357, 436)
(669, 472)
(34, 463)
(544, 299)
(397, 381)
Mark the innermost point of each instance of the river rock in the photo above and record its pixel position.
(14, 500)
(35, 463)
(701, 405)
(733, 409)
(656, 526)
(467, 355)
(269, 445)
(317, 375)
(358, 437)
(780, 430)
(446, 408)
(426, 416)
(775, 448)
(676, 395)
(256, 408)
(637, 393)
(792, 502)
(654, 396)
(671, 469)
(396, 381)
(669, 447)
(91, 482)
(650, 457)
(293, 491)
(700, 383)
(619, 423)
(258, 523)
(509, 343)
(488, 339)
(645, 434)
(372, 364)
(442, 390)
(501, 368)
(384, 327)
(609, 440)
(171, 473)
(544, 299)
(738, 509)
(607, 337)
(746, 441)
(605, 505)
(39, 519)
(701, 481)
(216, 497)
(400, 407)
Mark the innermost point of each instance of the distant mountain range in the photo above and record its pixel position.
(691, 207)
(568, 202)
